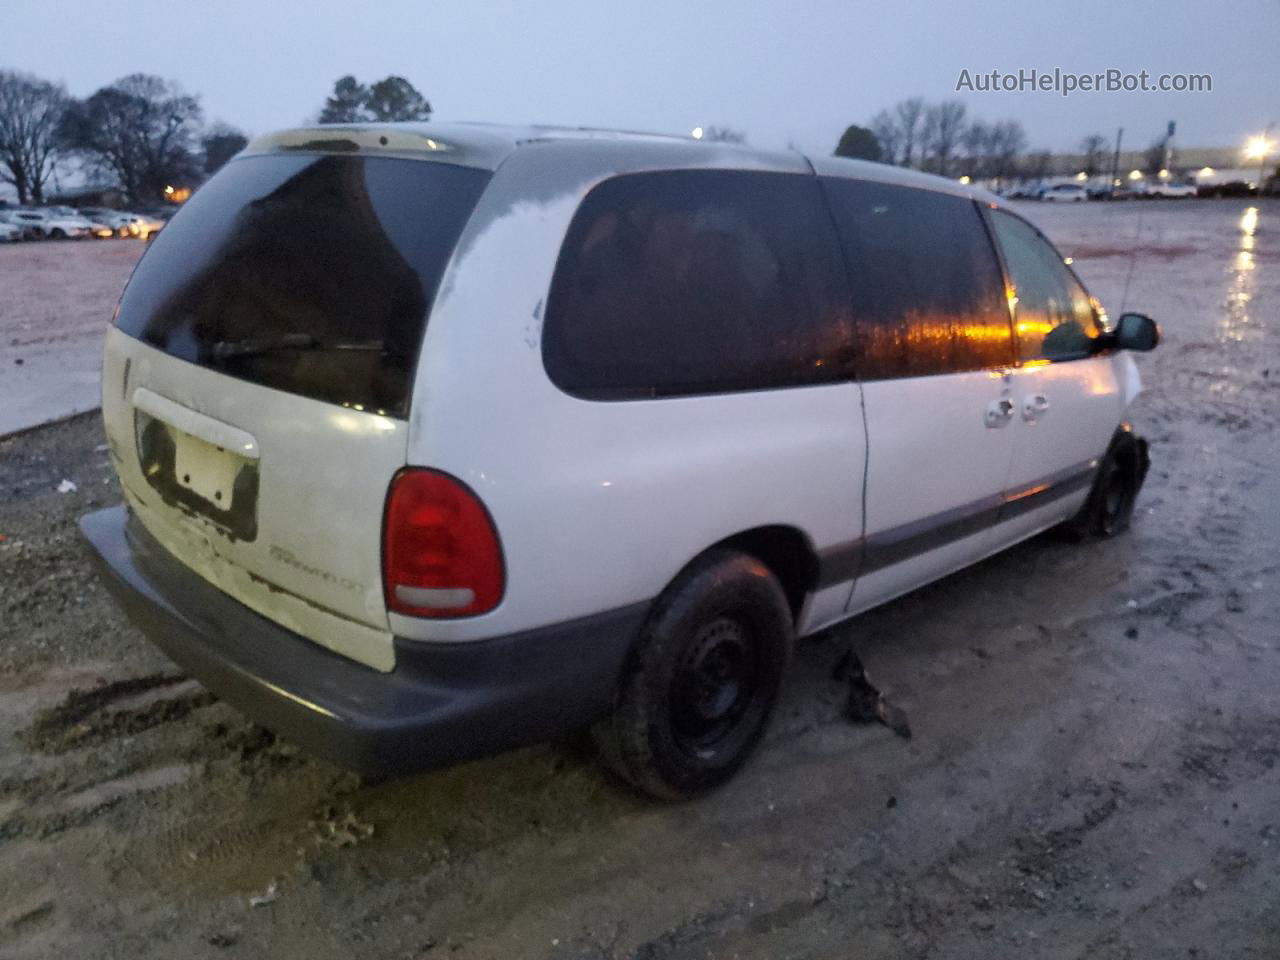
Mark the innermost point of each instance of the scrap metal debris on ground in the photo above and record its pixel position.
(866, 703)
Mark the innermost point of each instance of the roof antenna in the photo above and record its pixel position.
(1133, 258)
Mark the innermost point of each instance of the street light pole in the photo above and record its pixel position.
(1115, 163)
(1262, 157)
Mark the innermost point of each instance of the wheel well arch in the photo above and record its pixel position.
(787, 552)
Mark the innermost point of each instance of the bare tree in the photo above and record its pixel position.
(976, 143)
(30, 111)
(1039, 164)
(888, 134)
(910, 113)
(141, 129)
(941, 136)
(1093, 149)
(1006, 141)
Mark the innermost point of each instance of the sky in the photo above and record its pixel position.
(786, 73)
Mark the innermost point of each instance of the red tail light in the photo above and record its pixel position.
(440, 552)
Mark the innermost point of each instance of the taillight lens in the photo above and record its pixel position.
(440, 552)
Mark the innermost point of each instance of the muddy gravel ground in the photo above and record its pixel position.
(1095, 770)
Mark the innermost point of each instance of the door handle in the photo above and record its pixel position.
(1034, 407)
(999, 413)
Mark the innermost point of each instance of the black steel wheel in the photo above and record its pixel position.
(700, 685)
(1108, 511)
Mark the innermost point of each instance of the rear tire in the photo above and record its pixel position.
(1108, 511)
(700, 685)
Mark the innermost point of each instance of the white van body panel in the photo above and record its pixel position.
(932, 454)
(600, 504)
(315, 565)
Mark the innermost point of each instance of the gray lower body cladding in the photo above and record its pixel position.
(441, 704)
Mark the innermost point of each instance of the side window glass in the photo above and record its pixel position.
(698, 281)
(1054, 316)
(926, 287)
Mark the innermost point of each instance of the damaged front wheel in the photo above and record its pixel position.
(1108, 511)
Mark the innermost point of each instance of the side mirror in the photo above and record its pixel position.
(1135, 331)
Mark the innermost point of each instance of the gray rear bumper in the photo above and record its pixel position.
(442, 703)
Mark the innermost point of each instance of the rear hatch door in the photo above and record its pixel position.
(257, 383)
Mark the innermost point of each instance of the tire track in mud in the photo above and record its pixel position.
(85, 716)
(84, 721)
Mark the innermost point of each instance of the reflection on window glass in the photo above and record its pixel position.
(306, 273)
(697, 281)
(925, 280)
(1054, 318)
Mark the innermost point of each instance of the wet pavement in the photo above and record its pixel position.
(56, 299)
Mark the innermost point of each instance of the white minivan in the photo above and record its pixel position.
(441, 439)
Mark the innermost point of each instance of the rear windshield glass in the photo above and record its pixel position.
(311, 274)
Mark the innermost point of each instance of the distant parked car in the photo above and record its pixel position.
(144, 224)
(1164, 188)
(117, 221)
(1064, 193)
(10, 232)
(53, 224)
(1020, 192)
(1232, 188)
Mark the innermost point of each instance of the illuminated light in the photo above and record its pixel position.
(1164, 174)
(1115, 182)
(1249, 222)
(1206, 171)
(1257, 148)
(1082, 176)
(1135, 174)
(1068, 260)
(966, 179)
(697, 133)
(168, 190)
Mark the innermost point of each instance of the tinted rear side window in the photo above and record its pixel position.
(927, 290)
(310, 274)
(698, 281)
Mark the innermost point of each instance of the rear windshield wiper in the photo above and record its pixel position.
(252, 347)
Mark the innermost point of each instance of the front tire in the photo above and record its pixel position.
(1108, 511)
(700, 686)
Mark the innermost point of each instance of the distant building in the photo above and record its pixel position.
(91, 195)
